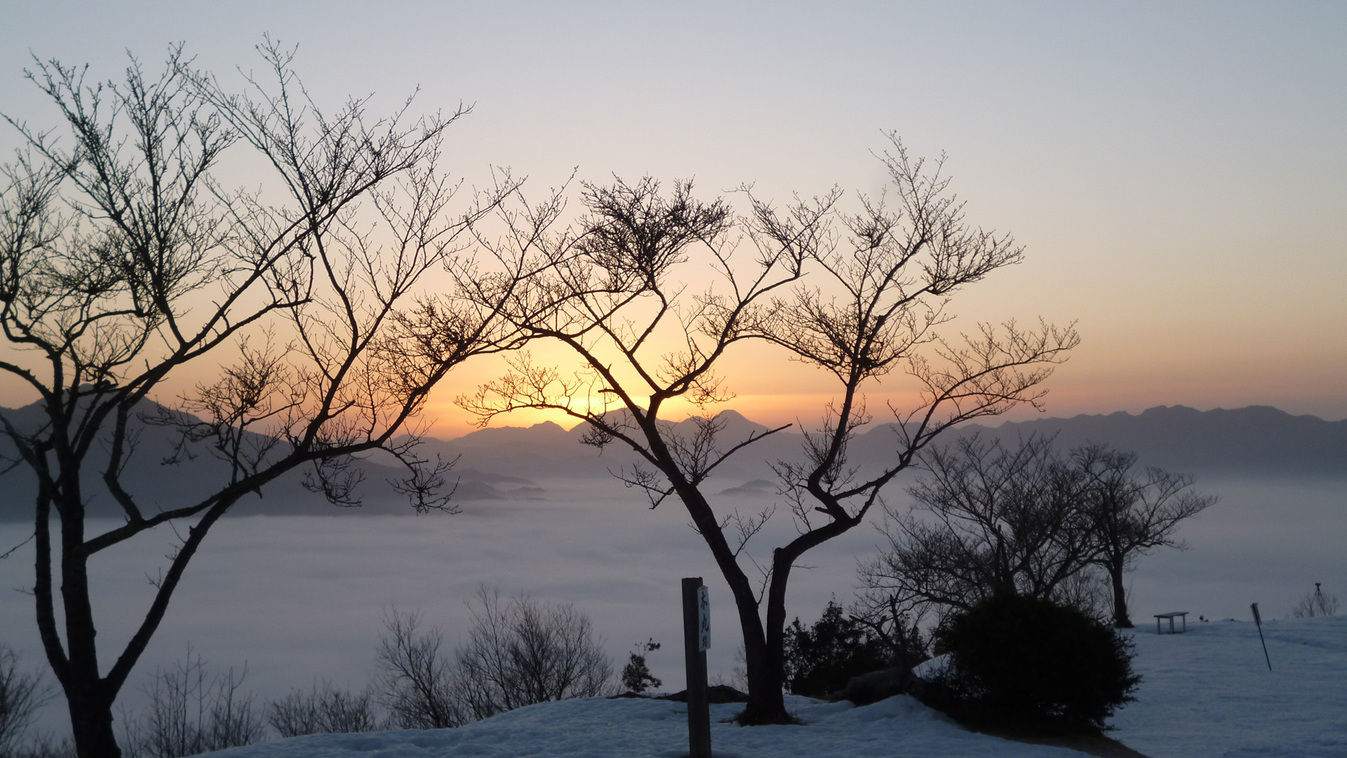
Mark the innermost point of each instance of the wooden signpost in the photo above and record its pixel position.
(696, 640)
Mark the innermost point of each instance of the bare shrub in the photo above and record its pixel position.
(1315, 604)
(192, 711)
(21, 694)
(737, 678)
(521, 651)
(45, 746)
(416, 682)
(324, 709)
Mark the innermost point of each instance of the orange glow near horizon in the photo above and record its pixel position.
(1203, 270)
(1103, 376)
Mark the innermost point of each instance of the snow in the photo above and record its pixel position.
(1209, 692)
(633, 728)
(1204, 693)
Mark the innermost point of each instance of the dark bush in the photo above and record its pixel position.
(1020, 661)
(822, 659)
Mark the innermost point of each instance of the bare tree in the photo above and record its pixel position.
(650, 290)
(521, 651)
(127, 264)
(1316, 604)
(416, 681)
(325, 709)
(21, 694)
(989, 520)
(1132, 513)
(192, 711)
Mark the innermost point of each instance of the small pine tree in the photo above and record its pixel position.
(636, 676)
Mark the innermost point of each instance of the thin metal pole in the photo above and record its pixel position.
(1259, 622)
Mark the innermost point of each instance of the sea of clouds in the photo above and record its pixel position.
(299, 599)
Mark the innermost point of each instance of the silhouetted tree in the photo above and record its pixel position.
(651, 289)
(896, 622)
(989, 520)
(1023, 661)
(519, 651)
(127, 266)
(1132, 512)
(1029, 522)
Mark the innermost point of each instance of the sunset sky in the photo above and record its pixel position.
(1177, 172)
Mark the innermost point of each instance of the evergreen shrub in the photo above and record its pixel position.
(1028, 661)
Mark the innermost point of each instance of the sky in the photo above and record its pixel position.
(1173, 170)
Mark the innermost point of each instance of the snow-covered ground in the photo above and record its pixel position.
(1209, 692)
(1205, 693)
(658, 729)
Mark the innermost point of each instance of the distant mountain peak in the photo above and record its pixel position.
(731, 414)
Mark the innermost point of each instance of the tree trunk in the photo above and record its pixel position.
(91, 722)
(766, 684)
(87, 694)
(766, 700)
(1120, 618)
(762, 662)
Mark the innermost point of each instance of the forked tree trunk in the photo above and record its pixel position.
(762, 659)
(766, 681)
(89, 694)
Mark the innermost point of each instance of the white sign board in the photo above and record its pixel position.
(703, 618)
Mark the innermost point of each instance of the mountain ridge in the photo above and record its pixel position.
(500, 463)
(1256, 440)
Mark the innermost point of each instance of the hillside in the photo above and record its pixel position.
(157, 483)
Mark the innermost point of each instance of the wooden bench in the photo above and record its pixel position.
(1180, 615)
